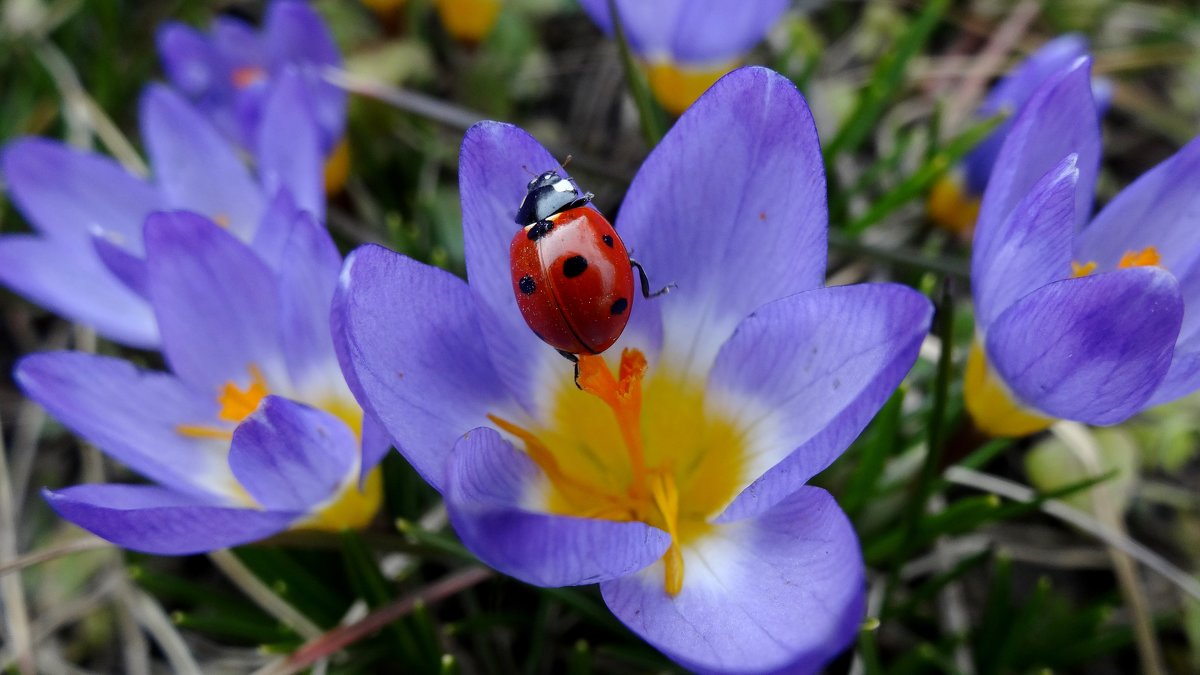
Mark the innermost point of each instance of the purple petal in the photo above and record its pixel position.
(1160, 209)
(271, 236)
(132, 415)
(296, 35)
(1012, 93)
(238, 42)
(154, 520)
(781, 593)
(805, 375)
(67, 193)
(190, 61)
(307, 283)
(730, 207)
(376, 440)
(195, 166)
(1029, 249)
(289, 145)
(128, 268)
(68, 278)
(696, 31)
(494, 170)
(488, 480)
(217, 303)
(412, 338)
(291, 457)
(1091, 349)
(1059, 120)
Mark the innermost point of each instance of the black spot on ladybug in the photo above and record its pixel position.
(574, 266)
(527, 285)
(607, 241)
(540, 229)
(619, 306)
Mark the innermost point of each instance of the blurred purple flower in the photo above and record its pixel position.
(954, 202)
(686, 45)
(1078, 320)
(230, 72)
(85, 262)
(679, 482)
(254, 430)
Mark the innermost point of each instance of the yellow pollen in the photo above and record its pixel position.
(1082, 270)
(950, 206)
(469, 21)
(247, 75)
(677, 86)
(667, 461)
(994, 408)
(236, 405)
(1147, 257)
(337, 168)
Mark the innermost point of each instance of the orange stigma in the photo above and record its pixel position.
(1082, 270)
(237, 404)
(247, 75)
(1147, 257)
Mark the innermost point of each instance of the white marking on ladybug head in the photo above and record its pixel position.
(564, 185)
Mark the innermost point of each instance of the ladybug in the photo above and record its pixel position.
(571, 273)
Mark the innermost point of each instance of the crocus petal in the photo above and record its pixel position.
(376, 440)
(1160, 209)
(289, 145)
(195, 166)
(730, 207)
(191, 63)
(1011, 93)
(781, 593)
(291, 457)
(805, 375)
(697, 31)
(1059, 120)
(271, 237)
(295, 35)
(217, 303)
(1091, 349)
(69, 278)
(307, 283)
(67, 193)
(154, 520)
(1030, 248)
(237, 42)
(489, 479)
(412, 338)
(128, 268)
(494, 169)
(132, 415)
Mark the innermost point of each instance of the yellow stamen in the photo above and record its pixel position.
(349, 509)
(678, 86)
(994, 408)
(337, 168)
(468, 21)
(1082, 270)
(950, 206)
(247, 75)
(1147, 257)
(236, 405)
(666, 497)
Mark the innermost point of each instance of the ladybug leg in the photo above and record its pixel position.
(646, 282)
(573, 359)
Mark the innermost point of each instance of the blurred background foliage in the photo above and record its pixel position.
(971, 572)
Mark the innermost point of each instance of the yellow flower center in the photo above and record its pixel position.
(469, 20)
(996, 410)
(1147, 257)
(677, 86)
(337, 168)
(950, 206)
(622, 449)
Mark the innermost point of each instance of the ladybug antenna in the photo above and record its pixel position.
(525, 168)
(567, 161)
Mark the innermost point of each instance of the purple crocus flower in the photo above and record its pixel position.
(677, 482)
(230, 72)
(84, 262)
(954, 201)
(253, 430)
(686, 45)
(1079, 320)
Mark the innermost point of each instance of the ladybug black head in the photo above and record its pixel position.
(547, 195)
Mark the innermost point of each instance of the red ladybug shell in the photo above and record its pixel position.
(574, 284)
